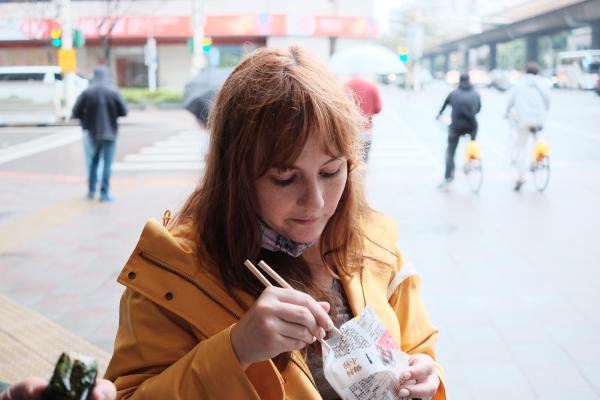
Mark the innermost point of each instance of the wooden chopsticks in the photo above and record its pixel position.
(265, 267)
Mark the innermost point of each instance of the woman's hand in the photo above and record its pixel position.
(280, 320)
(32, 389)
(420, 380)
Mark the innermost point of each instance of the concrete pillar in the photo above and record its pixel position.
(493, 56)
(595, 36)
(432, 64)
(446, 62)
(531, 48)
(466, 60)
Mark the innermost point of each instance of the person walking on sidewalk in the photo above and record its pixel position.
(98, 108)
(367, 97)
(281, 184)
(465, 103)
(527, 107)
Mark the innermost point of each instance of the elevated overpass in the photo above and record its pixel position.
(529, 23)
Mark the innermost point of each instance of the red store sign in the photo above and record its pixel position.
(130, 27)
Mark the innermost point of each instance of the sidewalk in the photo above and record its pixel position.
(60, 253)
(30, 344)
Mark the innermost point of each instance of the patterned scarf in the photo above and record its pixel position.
(274, 241)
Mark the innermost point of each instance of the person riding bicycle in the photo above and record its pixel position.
(527, 107)
(465, 103)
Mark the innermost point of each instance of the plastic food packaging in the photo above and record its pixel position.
(364, 362)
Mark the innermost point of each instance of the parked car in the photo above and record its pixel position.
(34, 94)
(597, 87)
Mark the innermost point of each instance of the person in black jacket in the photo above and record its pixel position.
(98, 109)
(465, 103)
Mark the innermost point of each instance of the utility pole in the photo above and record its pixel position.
(66, 25)
(151, 61)
(198, 59)
(416, 44)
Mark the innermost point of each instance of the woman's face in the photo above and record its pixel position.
(299, 200)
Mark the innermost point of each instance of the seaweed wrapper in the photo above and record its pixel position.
(73, 379)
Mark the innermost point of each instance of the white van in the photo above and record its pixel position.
(34, 95)
(577, 69)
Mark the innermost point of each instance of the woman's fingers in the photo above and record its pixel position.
(304, 300)
(325, 305)
(420, 369)
(28, 389)
(420, 379)
(104, 390)
(296, 332)
(301, 316)
(421, 390)
(280, 320)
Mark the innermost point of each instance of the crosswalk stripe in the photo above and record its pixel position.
(156, 166)
(48, 142)
(183, 151)
(169, 150)
(163, 157)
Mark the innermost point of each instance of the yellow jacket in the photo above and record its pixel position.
(175, 318)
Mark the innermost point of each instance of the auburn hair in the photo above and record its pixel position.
(268, 107)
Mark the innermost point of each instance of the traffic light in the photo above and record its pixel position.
(207, 44)
(78, 38)
(403, 53)
(56, 36)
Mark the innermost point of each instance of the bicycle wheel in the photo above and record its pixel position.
(541, 173)
(474, 174)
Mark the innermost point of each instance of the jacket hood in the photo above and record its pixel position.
(101, 75)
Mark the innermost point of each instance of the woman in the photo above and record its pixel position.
(281, 184)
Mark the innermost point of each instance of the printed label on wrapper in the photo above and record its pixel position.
(364, 362)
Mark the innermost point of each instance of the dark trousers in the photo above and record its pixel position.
(104, 149)
(453, 138)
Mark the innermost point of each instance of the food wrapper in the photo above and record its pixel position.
(73, 378)
(364, 362)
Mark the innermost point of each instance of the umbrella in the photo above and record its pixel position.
(366, 59)
(201, 105)
(200, 91)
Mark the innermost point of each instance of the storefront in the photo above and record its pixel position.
(123, 42)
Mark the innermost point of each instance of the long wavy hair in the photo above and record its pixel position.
(268, 107)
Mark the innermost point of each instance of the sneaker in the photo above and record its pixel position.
(518, 184)
(106, 197)
(90, 195)
(444, 186)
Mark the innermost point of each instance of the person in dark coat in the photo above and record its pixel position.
(465, 103)
(98, 109)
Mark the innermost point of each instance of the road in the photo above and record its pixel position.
(509, 278)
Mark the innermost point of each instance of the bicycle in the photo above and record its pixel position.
(540, 165)
(472, 166)
(540, 162)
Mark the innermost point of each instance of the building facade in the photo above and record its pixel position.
(119, 32)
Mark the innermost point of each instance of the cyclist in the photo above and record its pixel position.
(527, 107)
(465, 103)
